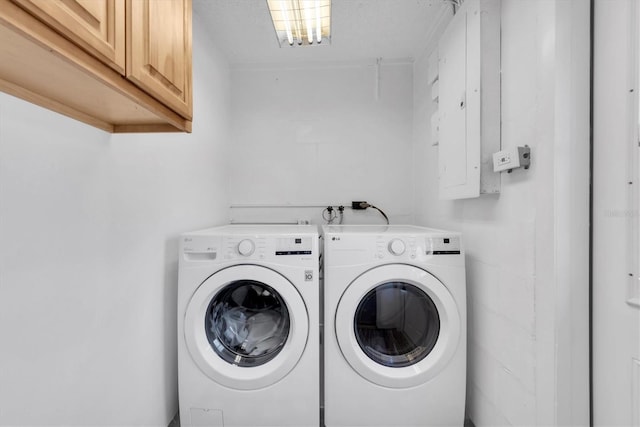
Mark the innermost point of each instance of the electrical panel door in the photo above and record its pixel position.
(469, 101)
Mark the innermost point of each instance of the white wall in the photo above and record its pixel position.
(616, 220)
(320, 134)
(527, 249)
(88, 256)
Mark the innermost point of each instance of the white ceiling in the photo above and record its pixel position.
(361, 30)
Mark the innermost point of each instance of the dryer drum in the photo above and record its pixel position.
(247, 323)
(396, 324)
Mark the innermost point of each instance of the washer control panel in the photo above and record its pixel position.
(295, 246)
(301, 245)
(241, 247)
(246, 247)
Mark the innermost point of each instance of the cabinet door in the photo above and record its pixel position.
(159, 51)
(95, 25)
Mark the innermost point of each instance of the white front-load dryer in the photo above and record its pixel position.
(248, 327)
(395, 327)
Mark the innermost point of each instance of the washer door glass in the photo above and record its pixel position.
(247, 323)
(246, 326)
(397, 324)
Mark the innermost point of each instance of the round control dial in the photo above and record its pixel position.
(396, 247)
(246, 247)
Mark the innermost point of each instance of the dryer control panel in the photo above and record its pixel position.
(443, 245)
(412, 246)
(350, 245)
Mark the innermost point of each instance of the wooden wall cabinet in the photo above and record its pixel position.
(157, 56)
(119, 65)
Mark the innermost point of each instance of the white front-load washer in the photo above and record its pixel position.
(248, 327)
(395, 327)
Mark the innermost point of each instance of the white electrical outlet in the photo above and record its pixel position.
(504, 158)
(507, 160)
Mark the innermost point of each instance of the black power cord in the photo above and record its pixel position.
(381, 213)
(365, 205)
(329, 213)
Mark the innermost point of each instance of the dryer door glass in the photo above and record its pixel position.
(247, 323)
(396, 324)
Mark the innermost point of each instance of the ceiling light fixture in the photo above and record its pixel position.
(301, 22)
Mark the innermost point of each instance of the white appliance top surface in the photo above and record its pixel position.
(383, 229)
(258, 229)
